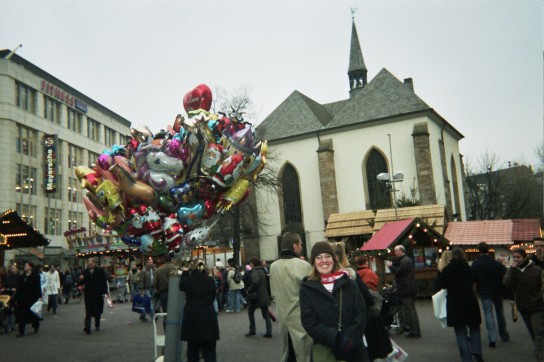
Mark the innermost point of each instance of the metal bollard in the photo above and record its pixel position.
(176, 303)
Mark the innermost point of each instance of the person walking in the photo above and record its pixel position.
(133, 280)
(67, 285)
(161, 281)
(200, 327)
(9, 287)
(233, 303)
(286, 276)
(404, 271)
(258, 297)
(52, 286)
(489, 275)
(95, 282)
(524, 278)
(147, 276)
(462, 305)
(28, 292)
(332, 309)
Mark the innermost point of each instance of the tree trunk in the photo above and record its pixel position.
(236, 234)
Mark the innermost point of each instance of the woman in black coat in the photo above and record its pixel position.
(462, 305)
(199, 327)
(28, 292)
(335, 336)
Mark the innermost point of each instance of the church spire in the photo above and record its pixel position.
(357, 69)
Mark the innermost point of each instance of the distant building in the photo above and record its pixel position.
(46, 128)
(327, 156)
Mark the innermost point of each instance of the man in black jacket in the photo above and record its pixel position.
(489, 275)
(96, 287)
(403, 269)
(258, 297)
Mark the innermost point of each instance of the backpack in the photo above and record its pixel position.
(68, 279)
(375, 309)
(237, 277)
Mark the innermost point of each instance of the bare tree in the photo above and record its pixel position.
(242, 220)
(494, 192)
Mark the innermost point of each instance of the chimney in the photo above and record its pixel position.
(409, 83)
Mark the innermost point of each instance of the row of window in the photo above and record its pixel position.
(27, 99)
(26, 182)
(52, 219)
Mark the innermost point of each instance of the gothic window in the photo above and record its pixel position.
(292, 211)
(378, 196)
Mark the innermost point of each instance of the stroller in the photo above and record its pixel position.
(391, 301)
(121, 286)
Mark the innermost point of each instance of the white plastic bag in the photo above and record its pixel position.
(440, 307)
(36, 308)
(398, 354)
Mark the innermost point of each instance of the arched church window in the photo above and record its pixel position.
(292, 211)
(378, 195)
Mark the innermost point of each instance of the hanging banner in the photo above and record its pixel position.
(50, 162)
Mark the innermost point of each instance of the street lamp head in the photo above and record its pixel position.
(398, 176)
(384, 176)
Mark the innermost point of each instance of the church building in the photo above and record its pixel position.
(327, 157)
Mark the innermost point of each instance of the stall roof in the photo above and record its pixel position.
(525, 229)
(433, 215)
(15, 233)
(349, 224)
(493, 232)
(387, 235)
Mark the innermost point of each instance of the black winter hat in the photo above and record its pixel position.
(322, 247)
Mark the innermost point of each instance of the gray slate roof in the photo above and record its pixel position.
(384, 96)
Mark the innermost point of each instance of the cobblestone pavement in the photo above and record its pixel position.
(124, 338)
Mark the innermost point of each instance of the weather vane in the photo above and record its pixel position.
(353, 11)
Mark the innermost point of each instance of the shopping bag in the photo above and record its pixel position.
(141, 304)
(398, 354)
(107, 301)
(514, 311)
(440, 307)
(36, 308)
(272, 315)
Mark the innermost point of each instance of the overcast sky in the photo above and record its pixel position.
(477, 63)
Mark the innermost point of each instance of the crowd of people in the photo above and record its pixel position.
(328, 310)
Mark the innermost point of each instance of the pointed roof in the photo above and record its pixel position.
(385, 96)
(298, 114)
(356, 61)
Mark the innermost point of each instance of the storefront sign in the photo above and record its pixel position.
(63, 96)
(50, 172)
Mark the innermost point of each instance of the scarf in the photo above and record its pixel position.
(328, 279)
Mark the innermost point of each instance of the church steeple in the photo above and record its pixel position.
(357, 69)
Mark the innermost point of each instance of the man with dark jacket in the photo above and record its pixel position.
(538, 256)
(404, 271)
(524, 278)
(96, 287)
(258, 297)
(489, 274)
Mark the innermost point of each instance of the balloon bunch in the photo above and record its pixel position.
(165, 192)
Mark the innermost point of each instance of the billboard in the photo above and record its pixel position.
(50, 162)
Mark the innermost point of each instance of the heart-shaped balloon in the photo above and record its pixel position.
(198, 98)
(191, 215)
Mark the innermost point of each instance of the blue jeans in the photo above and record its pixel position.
(234, 300)
(487, 305)
(264, 313)
(468, 345)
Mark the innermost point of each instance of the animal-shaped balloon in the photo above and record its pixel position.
(190, 215)
(108, 196)
(236, 194)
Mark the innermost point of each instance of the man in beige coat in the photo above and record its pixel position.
(286, 276)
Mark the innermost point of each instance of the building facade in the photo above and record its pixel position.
(328, 156)
(46, 128)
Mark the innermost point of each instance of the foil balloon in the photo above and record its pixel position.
(198, 98)
(183, 194)
(199, 235)
(229, 171)
(237, 193)
(136, 191)
(153, 222)
(108, 196)
(190, 215)
(89, 178)
(173, 232)
(212, 159)
(161, 162)
(146, 243)
(131, 241)
(137, 218)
